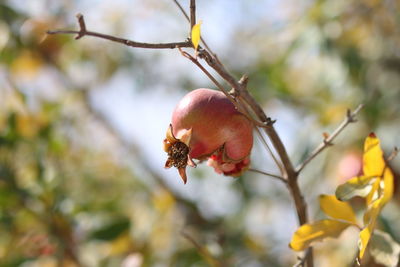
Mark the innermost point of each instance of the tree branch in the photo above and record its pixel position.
(350, 118)
(394, 153)
(267, 124)
(202, 250)
(280, 178)
(302, 260)
(82, 26)
(192, 13)
(84, 32)
(189, 20)
(264, 121)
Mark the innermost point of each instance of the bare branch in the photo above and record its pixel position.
(350, 118)
(201, 249)
(219, 86)
(182, 10)
(189, 20)
(198, 64)
(192, 13)
(264, 142)
(393, 154)
(84, 32)
(265, 121)
(280, 178)
(82, 26)
(244, 80)
(302, 260)
(278, 164)
(267, 124)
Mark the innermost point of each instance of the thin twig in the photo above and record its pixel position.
(182, 10)
(212, 78)
(302, 260)
(266, 145)
(350, 118)
(203, 251)
(188, 19)
(394, 154)
(268, 174)
(82, 26)
(243, 80)
(83, 32)
(278, 164)
(266, 122)
(192, 13)
(219, 86)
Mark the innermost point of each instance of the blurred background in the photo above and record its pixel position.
(82, 181)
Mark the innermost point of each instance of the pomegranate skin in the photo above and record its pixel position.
(215, 122)
(217, 131)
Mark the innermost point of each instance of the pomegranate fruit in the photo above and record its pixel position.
(206, 125)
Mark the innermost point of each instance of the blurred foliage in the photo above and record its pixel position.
(75, 192)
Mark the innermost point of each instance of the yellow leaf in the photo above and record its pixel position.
(357, 186)
(196, 35)
(373, 162)
(121, 244)
(372, 214)
(26, 65)
(337, 209)
(388, 185)
(382, 187)
(374, 193)
(163, 201)
(370, 220)
(29, 125)
(308, 233)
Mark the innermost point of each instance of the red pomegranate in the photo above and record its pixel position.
(206, 125)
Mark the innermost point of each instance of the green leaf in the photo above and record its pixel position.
(112, 230)
(384, 249)
(317, 231)
(357, 186)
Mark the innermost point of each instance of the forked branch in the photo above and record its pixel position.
(350, 118)
(84, 32)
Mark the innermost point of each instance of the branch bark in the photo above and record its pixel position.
(290, 174)
(280, 178)
(83, 32)
(192, 13)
